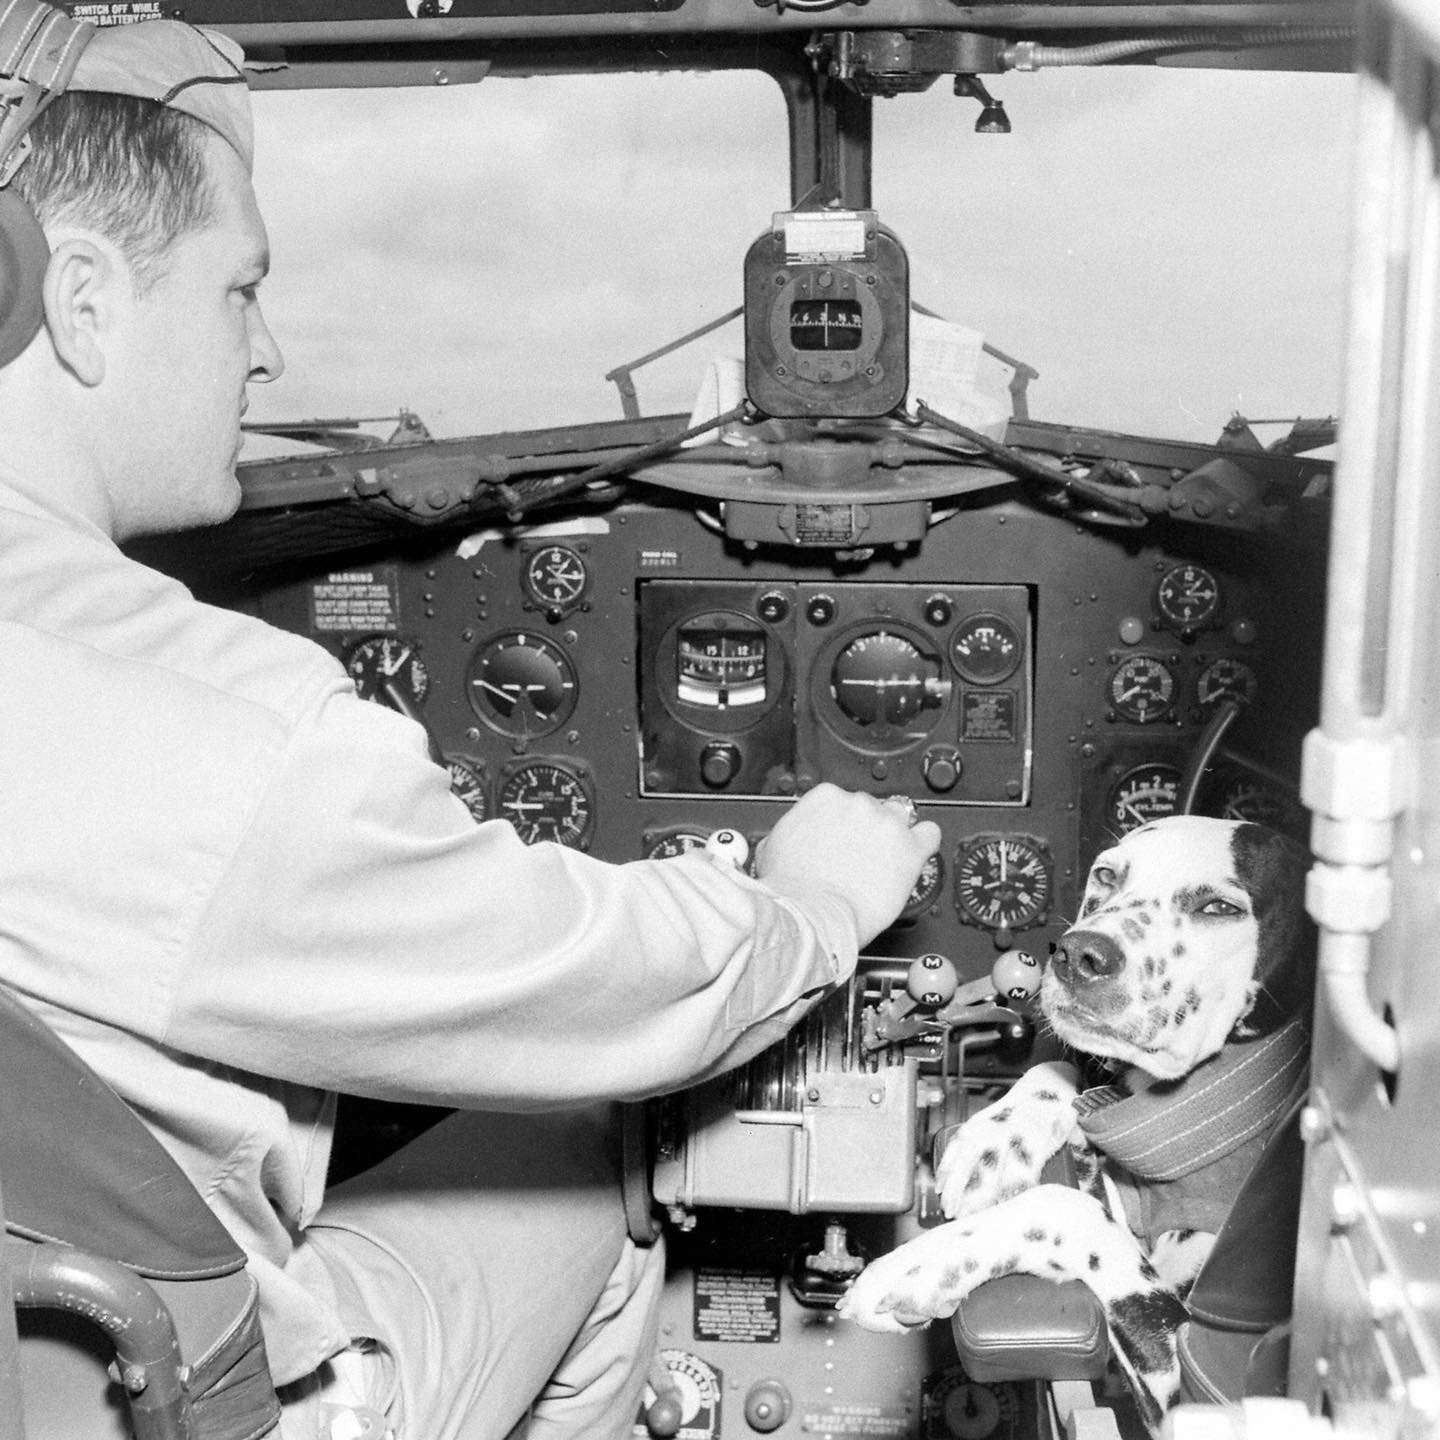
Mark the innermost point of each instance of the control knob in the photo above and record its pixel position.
(719, 764)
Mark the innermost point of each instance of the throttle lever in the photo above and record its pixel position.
(934, 999)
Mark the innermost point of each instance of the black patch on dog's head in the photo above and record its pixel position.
(1271, 867)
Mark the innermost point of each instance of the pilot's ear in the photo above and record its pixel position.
(81, 296)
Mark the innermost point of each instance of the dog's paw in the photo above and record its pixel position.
(921, 1281)
(1002, 1150)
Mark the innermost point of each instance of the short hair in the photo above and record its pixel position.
(131, 169)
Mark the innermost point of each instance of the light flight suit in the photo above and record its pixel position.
(235, 888)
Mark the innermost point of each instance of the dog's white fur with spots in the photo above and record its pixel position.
(1190, 932)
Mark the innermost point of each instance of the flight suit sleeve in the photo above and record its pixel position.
(366, 935)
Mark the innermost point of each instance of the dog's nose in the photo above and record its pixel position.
(1086, 956)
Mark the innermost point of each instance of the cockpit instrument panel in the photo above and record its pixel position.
(1038, 686)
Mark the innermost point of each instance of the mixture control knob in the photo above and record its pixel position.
(767, 1406)
(719, 764)
(665, 1415)
(730, 846)
(931, 980)
(941, 767)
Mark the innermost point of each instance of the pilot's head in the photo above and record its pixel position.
(145, 327)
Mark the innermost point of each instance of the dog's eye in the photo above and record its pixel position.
(1217, 906)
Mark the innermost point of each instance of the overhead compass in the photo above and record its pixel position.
(522, 684)
(1003, 882)
(388, 668)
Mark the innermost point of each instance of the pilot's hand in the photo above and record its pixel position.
(868, 849)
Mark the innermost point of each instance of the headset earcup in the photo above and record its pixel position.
(23, 257)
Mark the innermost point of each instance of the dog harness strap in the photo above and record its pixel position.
(1163, 1130)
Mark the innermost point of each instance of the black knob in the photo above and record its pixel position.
(719, 764)
(767, 1406)
(941, 768)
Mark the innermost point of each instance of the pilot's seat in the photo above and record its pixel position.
(1236, 1342)
(136, 1316)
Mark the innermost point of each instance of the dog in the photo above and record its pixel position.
(1189, 973)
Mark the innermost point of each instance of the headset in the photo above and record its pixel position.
(39, 48)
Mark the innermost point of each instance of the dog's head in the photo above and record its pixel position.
(1191, 930)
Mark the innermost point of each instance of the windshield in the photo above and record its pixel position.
(1164, 247)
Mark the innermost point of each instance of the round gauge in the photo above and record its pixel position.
(555, 577)
(467, 783)
(1140, 795)
(674, 842)
(547, 800)
(1226, 679)
(927, 888)
(388, 669)
(1187, 597)
(522, 684)
(1254, 800)
(985, 649)
(881, 678)
(1142, 689)
(1003, 881)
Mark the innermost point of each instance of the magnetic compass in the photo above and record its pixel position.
(1003, 882)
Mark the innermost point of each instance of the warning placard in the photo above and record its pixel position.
(740, 1305)
(365, 601)
(988, 715)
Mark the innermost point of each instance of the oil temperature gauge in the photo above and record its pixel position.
(522, 684)
(548, 800)
(1144, 793)
(1003, 882)
(388, 668)
(1142, 689)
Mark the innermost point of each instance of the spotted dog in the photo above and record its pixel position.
(1189, 973)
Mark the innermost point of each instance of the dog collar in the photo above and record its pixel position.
(1163, 1129)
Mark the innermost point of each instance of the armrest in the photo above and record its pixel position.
(1022, 1327)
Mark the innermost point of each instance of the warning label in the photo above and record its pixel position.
(118, 12)
(356, 600)
(741, 1305)
(988, 715)
(872, 1422)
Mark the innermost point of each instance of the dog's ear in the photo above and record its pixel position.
(1272, 869)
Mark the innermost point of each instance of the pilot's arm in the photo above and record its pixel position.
(367, 936)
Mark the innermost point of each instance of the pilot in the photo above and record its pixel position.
(236, 888)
